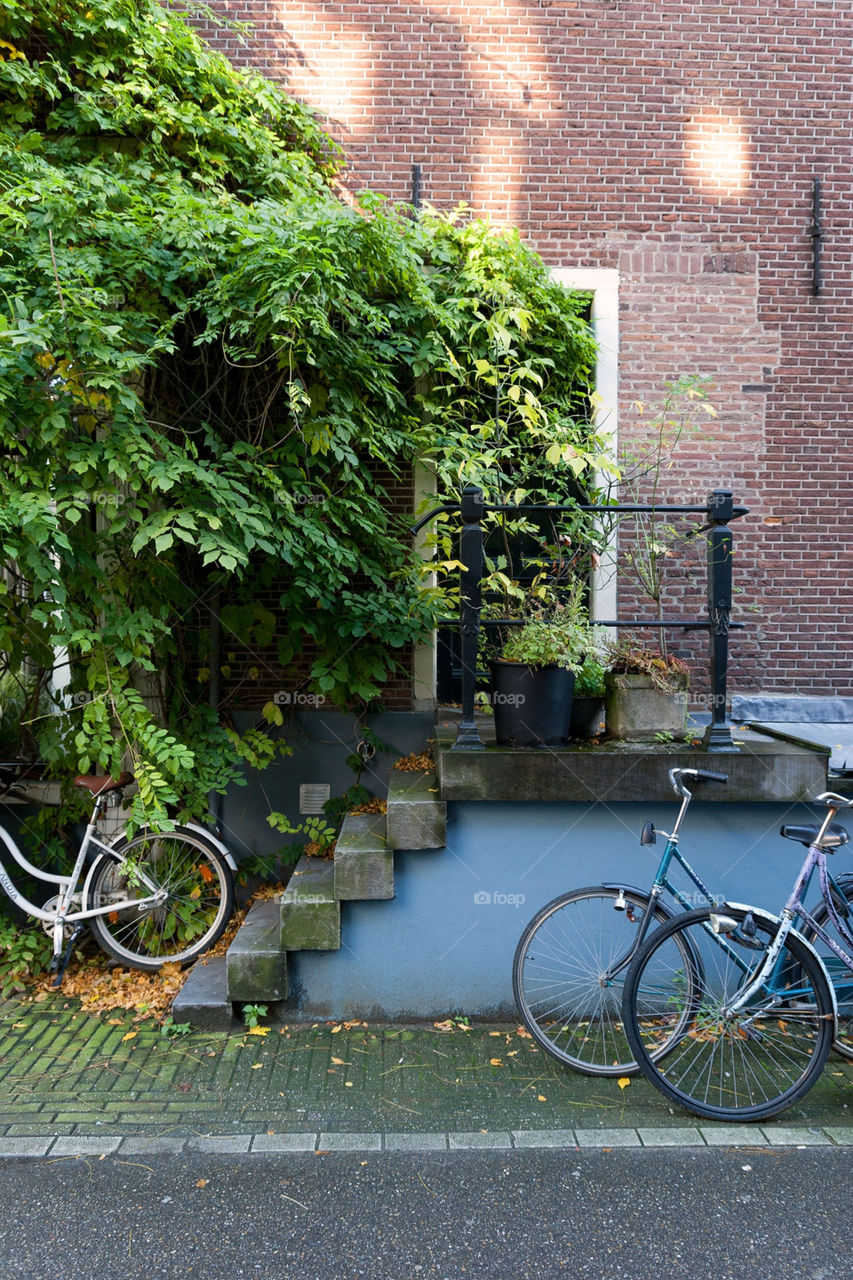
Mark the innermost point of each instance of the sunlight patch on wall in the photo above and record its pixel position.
(717, 153)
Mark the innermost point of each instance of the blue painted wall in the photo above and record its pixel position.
(445, 944)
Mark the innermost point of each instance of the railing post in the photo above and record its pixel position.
(718, 735)
(471, 596)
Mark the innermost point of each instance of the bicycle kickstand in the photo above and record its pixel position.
(59, 963)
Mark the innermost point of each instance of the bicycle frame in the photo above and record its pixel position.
(662, 883)
(795, 909)
(67, 884)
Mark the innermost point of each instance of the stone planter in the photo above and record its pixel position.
(637, 710)
(532, 705)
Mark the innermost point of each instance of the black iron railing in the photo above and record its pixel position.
(717, 514)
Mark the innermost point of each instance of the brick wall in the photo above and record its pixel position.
(676, 141)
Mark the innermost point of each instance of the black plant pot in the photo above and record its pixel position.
(587, 717)
(532, 705)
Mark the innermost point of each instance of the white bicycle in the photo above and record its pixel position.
(149, 899)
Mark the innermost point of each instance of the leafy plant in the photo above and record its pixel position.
(25, 952)
(627, 657)
(560, 637)
(654, 537)
(253, 1013)
(589, 678)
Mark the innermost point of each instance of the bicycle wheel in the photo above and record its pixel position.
(837, 972)
(568, 971)
(197, 899)
(742, 1065)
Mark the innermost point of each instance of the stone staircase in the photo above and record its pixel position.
(308, 916)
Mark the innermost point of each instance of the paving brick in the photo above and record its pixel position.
(607, 1138)
(220, 1144)
(10, 1147)
(84, 1145)
(415, 1141)
(272, 1143)
(544, 1138)
(794, 1136)
(674, 1136)
(478, 1141)
(349, 1142)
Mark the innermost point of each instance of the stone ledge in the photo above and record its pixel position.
(256, 963)
(310, 913)
(417, 813)
(613, 771)
(364, 865)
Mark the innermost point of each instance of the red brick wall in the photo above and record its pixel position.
(677, 141)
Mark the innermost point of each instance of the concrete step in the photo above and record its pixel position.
(310, 912)
(203, 1001)
(417, 816)
(256, 963)
(364, 865)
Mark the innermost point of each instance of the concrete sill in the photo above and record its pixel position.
(760, 771)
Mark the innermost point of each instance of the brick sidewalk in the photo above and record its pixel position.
(75, 1085)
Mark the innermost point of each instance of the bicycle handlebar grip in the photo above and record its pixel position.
(704, 775)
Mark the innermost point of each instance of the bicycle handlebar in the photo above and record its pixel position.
(698, 775)
(833, 801)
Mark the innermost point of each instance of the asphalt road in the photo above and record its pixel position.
(654, 1214)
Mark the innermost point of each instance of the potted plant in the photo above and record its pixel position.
(533, 678)
(588, 699)
(645, 693)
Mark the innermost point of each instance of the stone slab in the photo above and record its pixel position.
(760, 771)
(417, 813)
(364, 865)
(203, 1000)
(310, 913)
(806, 709)
(256, 962)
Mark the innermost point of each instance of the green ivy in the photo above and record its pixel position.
(211, 369)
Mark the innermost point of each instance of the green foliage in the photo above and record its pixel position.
(589, 678)
(25, 952)
(211, 369)
(252, 1014)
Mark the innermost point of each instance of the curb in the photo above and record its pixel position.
(79, 1146)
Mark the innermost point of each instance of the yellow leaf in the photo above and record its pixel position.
(202, 1182)
(496, 1062)
(256, 1066)
(129, 1036)
(336, 1029)
(339, 1062)
(258, 1031)
(540, 1097)
(623, 1082)
(348, 1084)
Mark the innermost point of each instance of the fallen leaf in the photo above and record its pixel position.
(524, 1033)
(495, 1062)
(258, 1031)
(623, 1082)
(348, 1084)
(339, 1062)
(540, 1097)
(129, 1036)
(202, 1182)
(256, 1066)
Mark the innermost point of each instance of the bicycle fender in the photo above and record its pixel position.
(215, 841)
(662, 906)
(769, 918)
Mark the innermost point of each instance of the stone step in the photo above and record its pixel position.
(310, 912)
(417, 816)
(256, 963)
(364, 865)
(203, 1001)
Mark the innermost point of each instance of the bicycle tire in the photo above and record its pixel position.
(745, 1066)
(558, 969)
(837, 972)
(199, 899)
